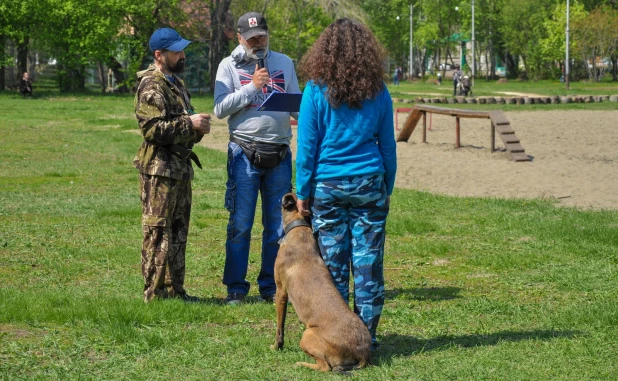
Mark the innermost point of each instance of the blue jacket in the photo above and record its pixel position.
(335, 143)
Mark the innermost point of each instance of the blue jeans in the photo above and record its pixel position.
(349, 216)
(243, 184)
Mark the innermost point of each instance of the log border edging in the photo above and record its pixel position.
(554, 99)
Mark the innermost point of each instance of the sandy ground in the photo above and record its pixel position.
(575, 160)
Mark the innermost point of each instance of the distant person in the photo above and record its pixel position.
(457, 74)
(439, 78)
(170, 128)
(25, 85)
(346, 161)
(396, 77)
(259, 160)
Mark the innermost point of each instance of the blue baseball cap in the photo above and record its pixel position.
(167, 38)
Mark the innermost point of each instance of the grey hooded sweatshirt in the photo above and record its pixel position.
(237, 98)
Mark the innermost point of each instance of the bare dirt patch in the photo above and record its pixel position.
(575, 160)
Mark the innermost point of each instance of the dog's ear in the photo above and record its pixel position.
(288, 201)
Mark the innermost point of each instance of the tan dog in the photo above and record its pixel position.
(334, 336)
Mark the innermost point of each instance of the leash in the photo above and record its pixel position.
(295, 224)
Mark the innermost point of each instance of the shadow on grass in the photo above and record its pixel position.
(429, 294)
(222, 301)
(400, 345)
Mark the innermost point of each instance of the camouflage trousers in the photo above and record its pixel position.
(166, 209)
(349, 218)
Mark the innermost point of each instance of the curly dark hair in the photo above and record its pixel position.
(348, 59)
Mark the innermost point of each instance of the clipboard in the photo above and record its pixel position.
(287, 102)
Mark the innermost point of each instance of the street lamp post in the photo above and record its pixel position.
(566, 63)
(473, 43)
(398, 18)
(461, 51)
(411, 64)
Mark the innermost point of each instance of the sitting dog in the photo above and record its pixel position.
(335, 336)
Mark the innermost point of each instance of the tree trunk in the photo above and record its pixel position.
(614, 69)
(300, 28)
(22, 58)
(492, 56)
(448, 55)
(513, 68)
(81, 77)
(218, 40)
(487, 64)
(523, 59)
(479, 61)
(102, 76)
(263, 11)
(116, 67)
(70, 78)
(62, 77)
(422, 64)
(506, 65)
(2, 67)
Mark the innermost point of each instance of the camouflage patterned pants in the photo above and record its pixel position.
(166, 208)
(349, 217)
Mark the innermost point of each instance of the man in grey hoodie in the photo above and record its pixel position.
(259, 157)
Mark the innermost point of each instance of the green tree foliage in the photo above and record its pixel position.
(553, 46)
(300, 27)
(390, 22)
(81, 33)
(18, 24)
(597, 39)
(589, 5)
(295, 24)
(77, 33)
(489, 42)
(523, 27)
(85, 34)
(444, 22)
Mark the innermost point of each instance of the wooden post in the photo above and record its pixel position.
(457, 145)
(493, 137)
(424, 127)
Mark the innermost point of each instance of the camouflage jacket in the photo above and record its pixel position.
(162, 110)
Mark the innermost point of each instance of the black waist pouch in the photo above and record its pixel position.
(263, 155)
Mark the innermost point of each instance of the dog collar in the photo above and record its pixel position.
(295, 224)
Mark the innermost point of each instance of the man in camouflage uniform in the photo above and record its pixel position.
(170, 128)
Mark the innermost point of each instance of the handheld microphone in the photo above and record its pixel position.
(260, 56)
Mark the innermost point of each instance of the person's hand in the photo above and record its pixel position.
(303, 207)
(201, 123)
(260, 77)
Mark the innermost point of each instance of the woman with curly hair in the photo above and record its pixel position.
(346, 160)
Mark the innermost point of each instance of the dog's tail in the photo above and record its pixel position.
(362, 363)
(343, 369)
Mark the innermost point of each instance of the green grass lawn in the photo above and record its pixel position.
(477, 288)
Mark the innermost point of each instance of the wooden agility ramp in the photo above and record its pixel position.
(499, 124)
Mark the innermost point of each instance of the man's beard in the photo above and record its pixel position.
(178, 67)
(249, 51)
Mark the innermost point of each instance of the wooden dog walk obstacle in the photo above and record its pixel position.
(499, 124)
